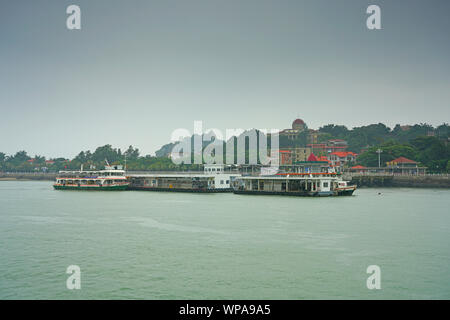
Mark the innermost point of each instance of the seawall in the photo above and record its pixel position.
(27, 176)
(422, 181)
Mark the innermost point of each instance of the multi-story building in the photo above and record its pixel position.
(313, 136)
(285, 157)
(297, 126)
(334, 145)
(337, 144)
(300, 154)
(291, 155)
(340, 158)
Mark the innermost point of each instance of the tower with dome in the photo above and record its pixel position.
(298, 126)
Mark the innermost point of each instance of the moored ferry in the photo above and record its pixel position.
(295, 184)
(112, 178)
(214, 179)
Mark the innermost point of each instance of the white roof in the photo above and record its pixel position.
(290, 177)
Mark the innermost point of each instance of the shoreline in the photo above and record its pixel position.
(426, 182)
(24, 179)
(363, 186)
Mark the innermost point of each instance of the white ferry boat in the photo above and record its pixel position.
(112, 178)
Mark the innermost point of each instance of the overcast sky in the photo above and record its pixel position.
(137, 70)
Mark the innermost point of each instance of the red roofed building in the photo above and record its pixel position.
(312, 157)
(341, 158)
(358, 168)
(401, 162)
(403, 165)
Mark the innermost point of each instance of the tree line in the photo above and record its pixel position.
(421, 142)
(22, 162)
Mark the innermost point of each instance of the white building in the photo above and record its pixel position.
(222, 179)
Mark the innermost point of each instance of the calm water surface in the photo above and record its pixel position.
(134, 245)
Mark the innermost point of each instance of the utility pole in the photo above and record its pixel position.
(379, 151)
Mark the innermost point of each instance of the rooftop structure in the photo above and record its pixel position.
(298, 125)
(401, 162)
(312, 157)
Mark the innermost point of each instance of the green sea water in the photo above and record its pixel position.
(158, 245)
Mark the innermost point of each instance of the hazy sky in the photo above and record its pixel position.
(137, 70)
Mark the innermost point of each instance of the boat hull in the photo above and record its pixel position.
(346, 192)
(296, 194)
(277, 193)
(92, 188)
(180, 190)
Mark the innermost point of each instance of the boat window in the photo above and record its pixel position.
(325, 184)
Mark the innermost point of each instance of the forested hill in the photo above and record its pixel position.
(359, 138)
(421, 142)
